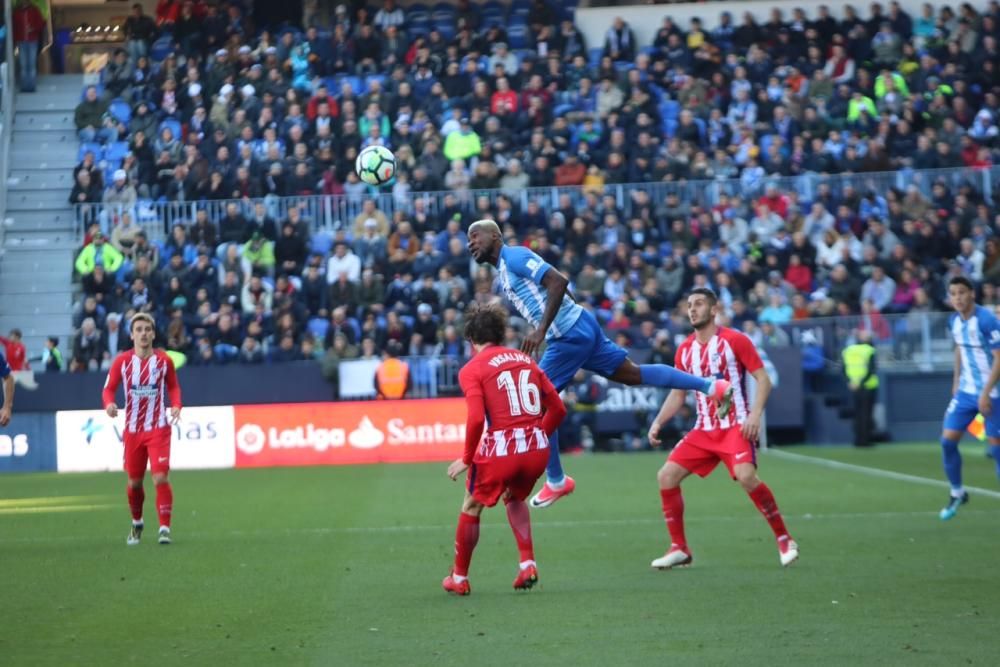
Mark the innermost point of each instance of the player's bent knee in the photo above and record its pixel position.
(670, 476)
(160, 478)
(747, 477)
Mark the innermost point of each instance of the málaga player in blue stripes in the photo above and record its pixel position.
(573, 338)
(977, 368)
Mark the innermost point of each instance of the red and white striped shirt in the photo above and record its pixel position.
(728, 355)
(147, 383)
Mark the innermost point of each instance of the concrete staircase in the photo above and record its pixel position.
(36, 260)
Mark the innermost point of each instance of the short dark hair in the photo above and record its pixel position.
(963, 281)
(485, 323)
(706, 292)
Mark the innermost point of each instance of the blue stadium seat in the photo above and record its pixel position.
(492, 6)
(374, 77)
(518, 37)
(594, 56)
(321, 243)
(90, 147)
(447, 30)
(318, 327)
(670, 127)
(670, 110)
(493, 21)
(115, 151)
(356, 84)
(414, 17)
(418, 7)
(161, 48)
(175, 127)
(121, 110)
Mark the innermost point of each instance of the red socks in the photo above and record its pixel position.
(520, 523)
(466, 537)
(136, 496)
(673, 512)
(764, 500)
(164, 502)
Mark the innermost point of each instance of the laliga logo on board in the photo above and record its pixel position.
(366, 436)
(250, 439)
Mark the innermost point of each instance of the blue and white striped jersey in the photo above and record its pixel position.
(976, 338)
(521, 272)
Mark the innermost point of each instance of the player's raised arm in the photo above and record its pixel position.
(555, 284)
(111, 387)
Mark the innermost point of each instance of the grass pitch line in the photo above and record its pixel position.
(879, 472)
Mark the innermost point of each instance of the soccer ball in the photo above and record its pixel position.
(376, 165)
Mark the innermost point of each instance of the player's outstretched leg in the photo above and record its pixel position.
(466, 538)
(557, 483)
(136, 495)
(763, 499)
(520, 523)
(951, 459)
(668, 377)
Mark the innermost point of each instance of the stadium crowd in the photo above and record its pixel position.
(202, 106)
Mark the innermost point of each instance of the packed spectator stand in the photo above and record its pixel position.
(803, 167)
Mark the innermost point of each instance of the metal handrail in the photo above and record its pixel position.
(332, 212)
(8, 80)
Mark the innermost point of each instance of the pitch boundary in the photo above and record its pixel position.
(878, 472)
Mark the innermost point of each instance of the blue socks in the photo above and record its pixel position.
(952, 460)
(995, 453)
(661, 375)
(553, 471)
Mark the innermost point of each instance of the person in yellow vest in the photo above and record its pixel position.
(862, 378)
(392, 377)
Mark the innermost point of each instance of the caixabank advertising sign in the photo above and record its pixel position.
(90, 441)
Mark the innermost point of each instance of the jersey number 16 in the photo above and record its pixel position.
(524, 397)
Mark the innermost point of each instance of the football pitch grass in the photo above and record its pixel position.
(342, 566)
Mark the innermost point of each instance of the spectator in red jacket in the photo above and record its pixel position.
(17, 357)
(28, 26)
(798, 275)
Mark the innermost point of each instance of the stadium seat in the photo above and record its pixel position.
(121, 110)
(518, 37)
(493, 21)
(161, 48)
(417, 16)
(443, 16)
(594, 57)
(175, 127)
(356, 84)
(670, 110)
(374, 77)
(321, 243)
(115, 151)
(447, 30)
(92, 147)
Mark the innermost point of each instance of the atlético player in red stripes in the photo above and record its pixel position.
(148, 377)
(505, 387)
(726, 354)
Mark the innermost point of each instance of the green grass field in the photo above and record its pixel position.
(342, 566)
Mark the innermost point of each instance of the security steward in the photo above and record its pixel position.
(862, 379)
(392, 377)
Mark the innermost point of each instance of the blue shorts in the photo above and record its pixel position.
(583, 346)
(964, 408)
